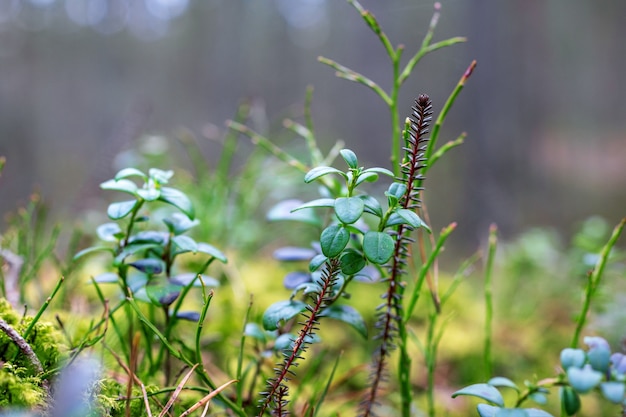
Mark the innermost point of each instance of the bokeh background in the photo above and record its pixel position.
(81, 80)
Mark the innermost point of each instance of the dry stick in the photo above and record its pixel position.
(26, 350)
(134, 377)
(176, 393)
(208, 398)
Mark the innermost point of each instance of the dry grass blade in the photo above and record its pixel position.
(179, 388)
(206, 399)
(133, 377)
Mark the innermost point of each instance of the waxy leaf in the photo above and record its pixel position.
(613, 391)
(109, 232)
(378, 170)
(316, 262)
(213, 251)
(281, 311)
(177, 199)
(333, 240)
(162, 293)
(294, 279)
(570, 401)
(126, 186)
(349, 209)
(396, 191)
(117, 211)
(572, 357)
(293, 254)
(318, 172)
(130, 172)
(585, 379)
(378, 247)
(187, 278)
(149, 194)
(352, 263)
(178, 223)
(500, 381)
(348, 315)
(484, 391)
(149, 266)
(133, 248)
(184, 244)
(350, 158)
(371, 205)
(367, 176)
(150, 236)
(285, 210)
(412, 219)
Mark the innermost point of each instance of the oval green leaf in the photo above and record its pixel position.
(178, 223)
(350, 158)
(585, 379)
(484, 391)
(316, 262)
(130, 172)
(500, 381)
(211, 250)
(378, 247)
(411, 218)
(125, 186)
(348, 315)
(117, 211)
(320, 202)
(613, 391)
(177, 199)
(379, 170)
(281, 311)
(149, 266)
(371, 205)
(366, 176)
(352, 263)
(184, 244)
(109, 232)
(333, 240)
(570, 401)
(349, 209)
(149, 194)
(318, 172)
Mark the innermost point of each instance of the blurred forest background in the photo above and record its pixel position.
(81, 80)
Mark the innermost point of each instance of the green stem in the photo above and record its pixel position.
(43, 308)
(594, 280)
(493, 242)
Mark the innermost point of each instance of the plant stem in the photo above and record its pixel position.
(493, 242)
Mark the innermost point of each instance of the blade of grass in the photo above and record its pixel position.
(240, 356)
(491, 254)
(178, 390)
(322, 397)
(43, 308)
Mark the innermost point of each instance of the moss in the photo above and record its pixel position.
(18, 388)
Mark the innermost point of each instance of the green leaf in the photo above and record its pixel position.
(378, 247)
(500, 381)
(371, 205)
(177, 199)
(213, 251)
(160, 176)
(348, 315)
(350, 158)
(193, 316)
(318, 172)
(352, 262)
(150, 236)
(349, 209)
(511, 412)
(109, 232)
(367, 176)
(572, 357)
(486, 410)
(293, 254)
(106, 278)
(178, 223)
(411, 218)
(130, 172)
(320, 202)
(396, 190)
(117, 211)
(149, 266)
(126, 186)
(92, 249)
(613, 391)
(149, 194)
(285, 210)
(187, 278)
(184, 244)
(162, 293)
(484, 391)
(133, 248)
(281, 311)
(583, 380)
(316, 262)
(570, 401)
(254, 331)
(378, 170)
(333, 240)
(534, 412)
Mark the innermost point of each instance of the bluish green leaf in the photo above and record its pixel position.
(511, 412)
(500, 381)
(484, 391)
(296, 278)
(412, 219)
(109, 232)
(130, 172)
(352, 262)
(371, 205)
(320, 202)
(285, 341)
(150, 236)
(107, 278)
(132, 249)
(92, 249)
(366, 176)
(572, 357)
(119, 210)
(348, 315)
(254, 331)
(599, 358)
(293, 254)
(486, 410)
(177, 199)
(585, 379)
(212, 250)
(316, 262)
(285, 211)
(535, 412)
(149, 266)
(178, 223)
(538, 397)
(333, 240)
(570, 400)
(310, 287)
(378, 170)
(318, 172)
(348, 209)
(193, 316)
(378, 247)
(396, 190)
(350, 158)
(613, 391)
(160, 176)
(281, 311)
(187, 278)
(149, 194)
(184, 244)
(162, 293)
(126, 186)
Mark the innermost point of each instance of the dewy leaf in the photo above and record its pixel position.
(378, 247)
(213, 251)
(585, 379)
(348, 315)
(350, 158)
(484, 391)
(117, 211)
(285, 211)
(333, 240)
(177, 199)
(130, 172)
(149, 266)
(178, 223)
(185, 244)
(109, 232)
(318, 172)
(126, 186)
(349, 209)
(281, 311)
(352, 263)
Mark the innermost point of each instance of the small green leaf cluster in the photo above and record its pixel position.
(143, 255)
(361, 250)
(583, 371)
